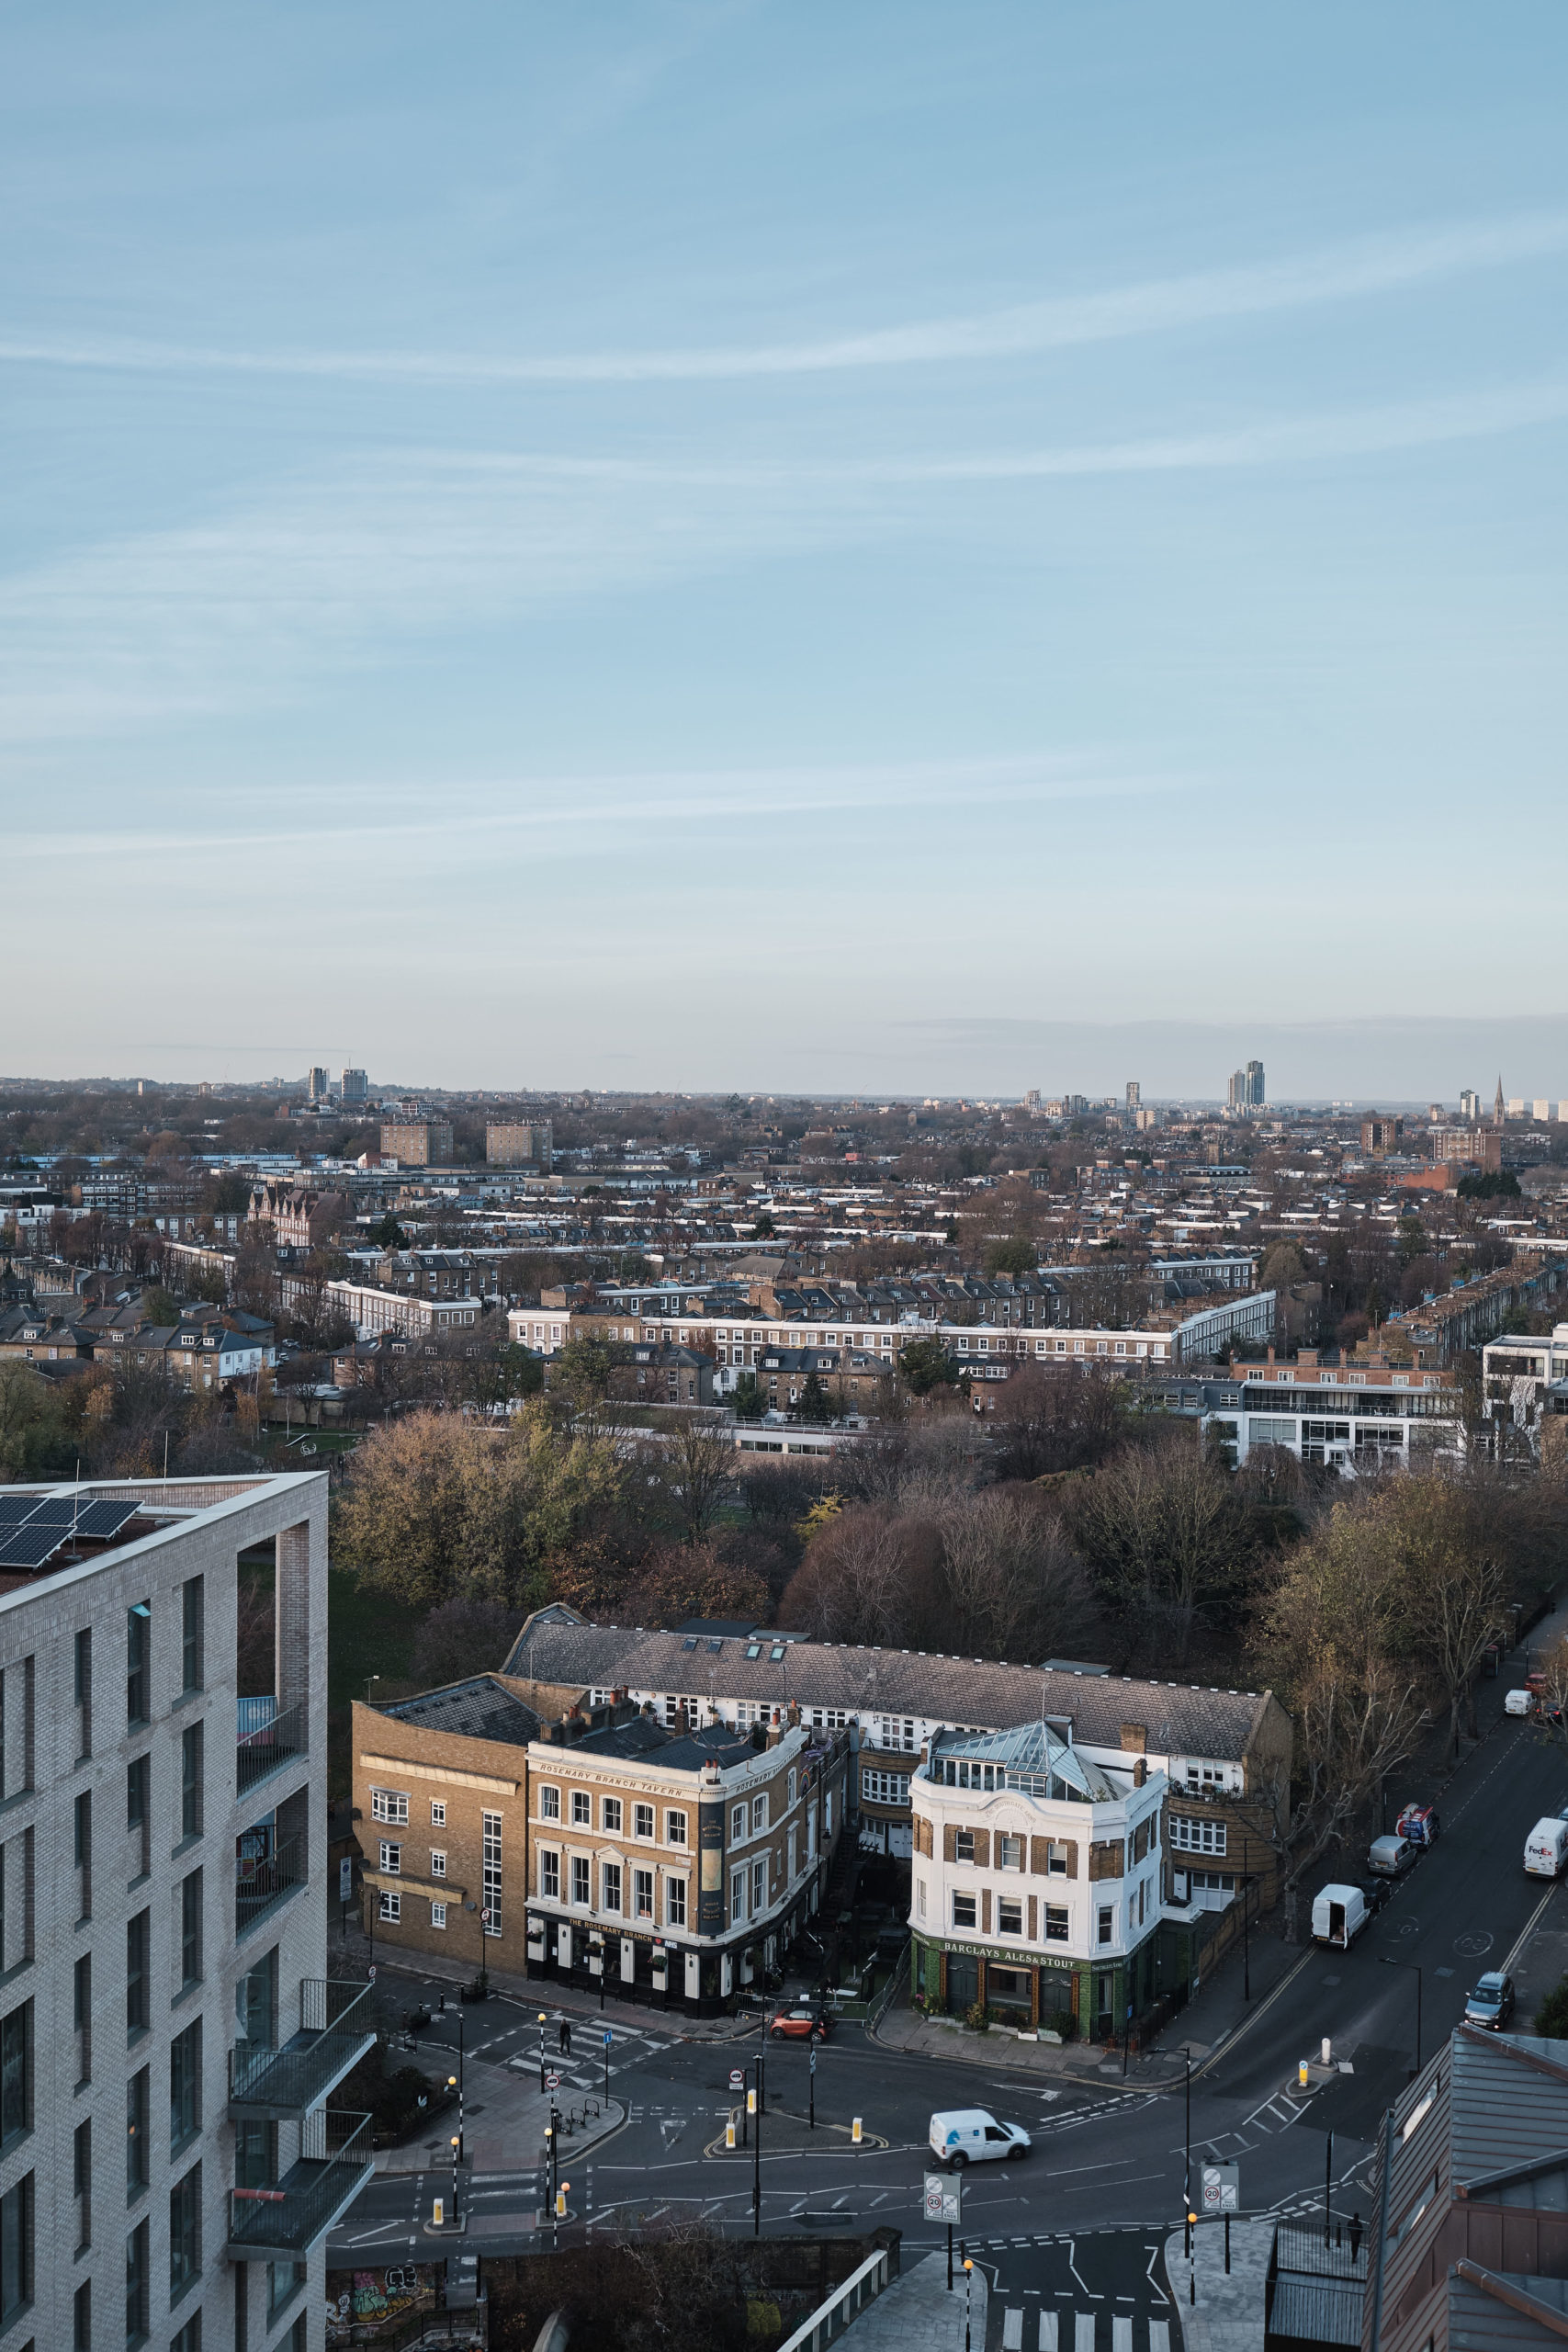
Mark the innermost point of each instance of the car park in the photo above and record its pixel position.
(798, 2023)
(971, 2135)
(1491, 2003)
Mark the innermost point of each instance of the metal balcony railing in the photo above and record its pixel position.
(264, 1880)
(283, 2222)
(262, 1749)
(336, 2029)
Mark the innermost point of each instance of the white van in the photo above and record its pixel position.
(968, 2135)
(1339, 1915)
(1546, 1848)
(1518, 1703)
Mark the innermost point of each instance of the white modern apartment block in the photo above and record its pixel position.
(168, 2039)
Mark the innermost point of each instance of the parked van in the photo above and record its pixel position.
(1546, 1848)
(1419, 1822)
(1389, 1856)
(1518, 1703)
(1339, 1915)
(968, 2135)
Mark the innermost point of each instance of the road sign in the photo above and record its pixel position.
(552, 2081)
(814, 2058)
(944, 2197)
(345, 1879)
(1219, 2189)
(736, 2079)
(608, 2039)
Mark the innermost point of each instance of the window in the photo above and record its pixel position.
(136, 2284)
(642, 1894)
(389, 1805)
(737, 1824)
(674, 1901)
(790, 1799)
(184, 2232)
(138, 1662)
(82, 2017)
(549, 1876)
(1107, 1925)
(737, 1895)
(1193, 1837)
(759, 1888)
(16, 2075)
(438, 1813)
(642, 1820)
(1009, 1917)
(391, 1905)
(549, 1804)
(675, 1828)
(963, 1910)
(1010, 1853)
(392, 1858)
(582, 1809)
(15, 2248)
(1056, 1859)
(579, 1883)
(82, 1850)
(1056, 1930)
(828, 1718)
(190, 1929)
(189, 2337)
(136, 1995)
(82, 2318)
(191, 1742)
(138, 2146)
(897, 1731)
(184, 2086)
(758, 1815)
(192, 1612)
(138, 1790)
(491, 1916)
(963, 1845)
(610, 1815)
(611, 1881)
(920, 1897)
(885, 1788)
(437, 1915)
(437, 1862)
(82, 1690)
(82, 2182)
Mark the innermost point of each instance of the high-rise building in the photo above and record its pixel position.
(1470, 1104)
(169, 2037)
(318, 1085)
(417, 1143)
(1135, 1094)
(1257, 1093)
(511, 1145)
(354, 1085)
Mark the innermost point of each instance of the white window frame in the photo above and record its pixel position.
(438, 1813)
(638, 1810)
(581, 1875)
(438, 1915)
(582, 1809)
(674, 1899)
(960, 1895)
(390, 1909)
(391, 1860)
(738, 1825)
(758, 1814)
(612, 1813)
(548, 1854)
(675, 1827)
(390, 1805)
(550, 1802)
(737, 1897)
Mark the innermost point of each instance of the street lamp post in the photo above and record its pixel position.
(968, 2297)
(1414, 1966)
(541, 2053)
(1187, 2167)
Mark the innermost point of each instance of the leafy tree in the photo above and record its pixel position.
(161, 1307)
(681, 1580)
(1488, 1184)
(764, 1228)
(925, 1364)
(1016, 1255)
(388, 1234)
(1551, 2016)
(580, 1371)
(816, 1406)
(748, 1400)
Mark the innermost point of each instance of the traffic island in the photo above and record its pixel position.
(788, 2134)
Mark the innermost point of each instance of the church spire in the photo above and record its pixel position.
(1497, 1105)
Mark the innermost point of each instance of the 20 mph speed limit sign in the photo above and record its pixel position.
(1218, 2189)
(943, 2199)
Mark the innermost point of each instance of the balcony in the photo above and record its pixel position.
(335, 2031)
(281, 2224)
(263, 1880)
(266, 1741)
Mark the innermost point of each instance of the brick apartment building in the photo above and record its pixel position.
(417, 1143)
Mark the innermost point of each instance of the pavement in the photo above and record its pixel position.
(916, 2313)
(1219, 2313)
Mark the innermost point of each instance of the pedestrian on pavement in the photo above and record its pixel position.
(565, 2037)
(1355, 2236)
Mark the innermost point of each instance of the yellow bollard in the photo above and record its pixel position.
(438, 2213)
(560, 2201)
(752, 2101)
(729, 2133)
(855, 2134)
(1302, 2075)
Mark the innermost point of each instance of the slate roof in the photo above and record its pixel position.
(1180, 1718)
(480, 1708)
(679, 1751)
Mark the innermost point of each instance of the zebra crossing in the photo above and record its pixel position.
(583, 2069)
(1062, 2331)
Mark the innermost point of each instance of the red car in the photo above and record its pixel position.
(799, 2024)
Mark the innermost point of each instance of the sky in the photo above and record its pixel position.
(902, 548)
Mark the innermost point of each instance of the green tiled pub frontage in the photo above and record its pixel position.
(1020, 1988)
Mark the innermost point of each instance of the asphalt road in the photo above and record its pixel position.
(1108, 2165)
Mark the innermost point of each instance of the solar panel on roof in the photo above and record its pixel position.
(105, 1518)
(59, 1511)
(29, 1547)
(17, 1506)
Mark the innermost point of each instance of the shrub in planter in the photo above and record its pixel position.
(1060, 2021)
(979, 2016)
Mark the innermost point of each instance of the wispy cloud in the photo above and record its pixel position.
(1353, 270)
(325, 576)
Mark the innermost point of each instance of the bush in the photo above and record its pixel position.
(978, 2016)
(1551, 2017)
(1061, 2021)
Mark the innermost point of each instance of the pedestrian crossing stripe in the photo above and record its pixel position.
(1050, 2338)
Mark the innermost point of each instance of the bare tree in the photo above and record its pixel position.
(701, 1460)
